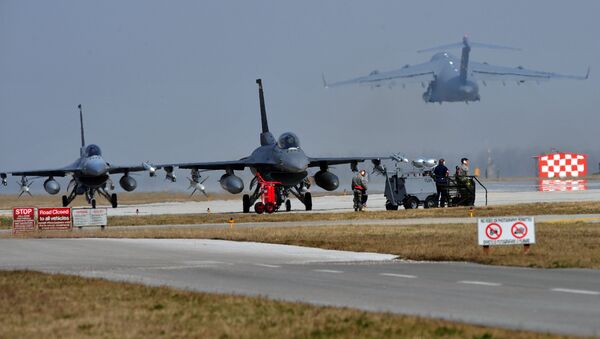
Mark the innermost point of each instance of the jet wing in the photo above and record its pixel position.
(237, 165)
(314, 162)
(424, 72)
(487, 72)
(44, 173)
(55, 172)
(127, 169)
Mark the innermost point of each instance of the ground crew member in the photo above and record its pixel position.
(465, 184)
(359, 188)
(440, 174)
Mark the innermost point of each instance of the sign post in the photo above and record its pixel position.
(52, 219)
(506, 231)
(86, 217)
(23, 219)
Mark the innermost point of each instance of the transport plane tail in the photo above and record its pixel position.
(466, 45)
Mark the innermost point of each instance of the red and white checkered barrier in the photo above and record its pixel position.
(556, 185)
(562, 165)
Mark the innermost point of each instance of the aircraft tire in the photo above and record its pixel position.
(269, 207)
(246, 203)
(65, 201)
(93, 203)
(308, 201)
(113, 200)
(259, 207)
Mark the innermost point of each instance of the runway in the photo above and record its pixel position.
(561, 300)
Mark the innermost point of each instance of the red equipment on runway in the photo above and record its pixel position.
(268, 195)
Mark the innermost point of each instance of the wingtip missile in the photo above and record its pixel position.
(325, 85)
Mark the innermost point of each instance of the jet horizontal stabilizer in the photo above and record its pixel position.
(467, 43)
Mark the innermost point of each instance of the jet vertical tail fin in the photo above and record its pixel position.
(81, 127)
(266, 138)
(464, 61)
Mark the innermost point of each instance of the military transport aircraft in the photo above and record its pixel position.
(452, 79)
(281, 163)
(90, 175)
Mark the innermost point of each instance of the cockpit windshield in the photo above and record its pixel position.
(288, 140)
(92, 150)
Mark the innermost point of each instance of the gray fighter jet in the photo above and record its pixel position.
(453, 79)
(90, 175)
(279, 164)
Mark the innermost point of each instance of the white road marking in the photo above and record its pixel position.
(483, 283)
(328, 271)
(568, 290)
(267, 265)
(399, 275)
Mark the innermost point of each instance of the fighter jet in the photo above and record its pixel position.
(90, 175)
(452, 79)
(280, 163)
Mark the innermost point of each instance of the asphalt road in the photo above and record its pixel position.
(560, 300)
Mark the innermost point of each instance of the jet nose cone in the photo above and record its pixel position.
(95, 167)
(297, 164)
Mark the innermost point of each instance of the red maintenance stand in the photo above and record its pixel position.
(268, 195)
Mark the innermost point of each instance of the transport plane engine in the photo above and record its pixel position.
(128, 183)
(51, 186)
(231, 183)
(327, 180)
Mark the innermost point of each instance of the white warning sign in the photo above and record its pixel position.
(85, 217)
(506, 231)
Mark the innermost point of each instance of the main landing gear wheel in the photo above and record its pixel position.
(308, 201)
(411, 203)
(269, 207)
(288, 205)
(246, 203)
(65, 201)
(259, 207)
(113, 200)
(93, 203)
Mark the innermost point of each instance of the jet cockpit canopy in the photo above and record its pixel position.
(288, 140)
(93, 150)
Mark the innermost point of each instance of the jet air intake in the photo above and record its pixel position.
(51, 186)
(231, 183)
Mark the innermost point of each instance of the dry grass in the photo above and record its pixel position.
(41, 305)
(559, 245)
(207, 218)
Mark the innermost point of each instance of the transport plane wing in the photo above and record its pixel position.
(487, 72)
(421, 73)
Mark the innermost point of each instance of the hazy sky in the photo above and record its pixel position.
(174, 80)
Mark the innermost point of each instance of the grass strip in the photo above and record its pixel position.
(59, 306)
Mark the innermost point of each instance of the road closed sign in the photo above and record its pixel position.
(52, 219)
(506, 231)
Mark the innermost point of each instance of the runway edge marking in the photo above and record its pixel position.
(482, 283)
(396, 275)
(574, 291)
